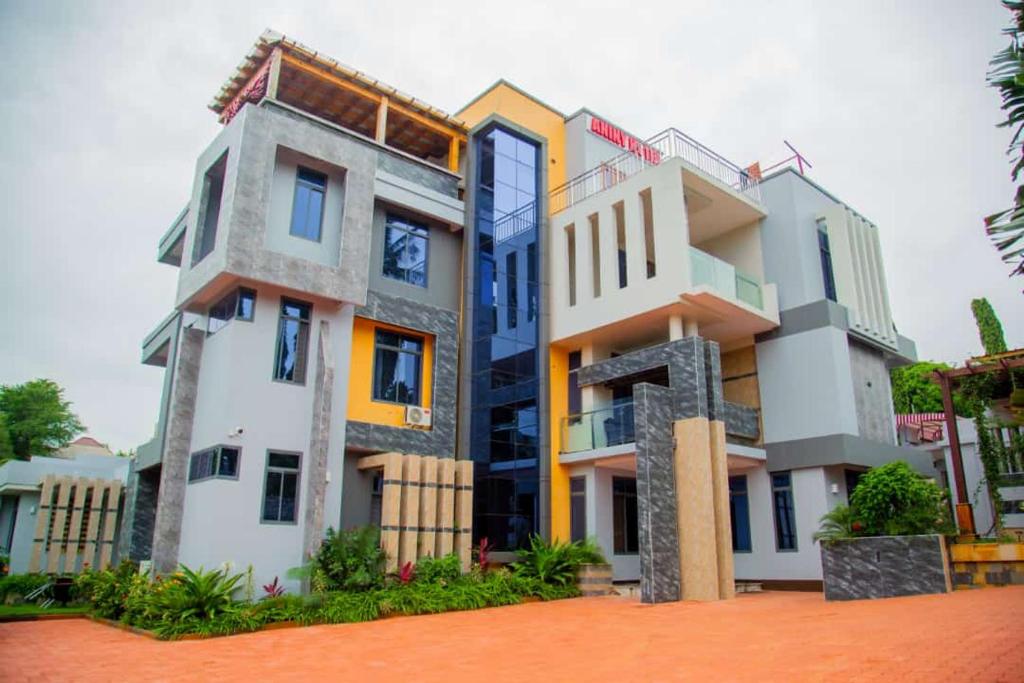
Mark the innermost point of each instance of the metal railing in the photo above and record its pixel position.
(723, 277)
(601, 428)
(669, 143)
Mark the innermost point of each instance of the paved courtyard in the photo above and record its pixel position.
(966, 636)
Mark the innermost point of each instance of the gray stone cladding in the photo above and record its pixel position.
(174, 470)
(418, 173)
(135, 539)
(695, 381)
(884, 566)
(656, 494)
(443, 324)
(319, 442)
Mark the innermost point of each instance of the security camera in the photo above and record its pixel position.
(237, 431)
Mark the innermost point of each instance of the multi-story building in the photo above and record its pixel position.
(385, 312)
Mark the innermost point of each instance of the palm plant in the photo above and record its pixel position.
(836, 524)
(1006, 228)
(554, 563)
(200, 594)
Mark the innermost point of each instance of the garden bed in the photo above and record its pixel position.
(347, 584)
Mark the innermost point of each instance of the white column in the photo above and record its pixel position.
(675, 327)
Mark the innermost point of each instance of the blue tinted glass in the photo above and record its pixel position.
(739, 513)
(504, 426)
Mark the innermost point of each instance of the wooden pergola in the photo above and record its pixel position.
(1001, 362)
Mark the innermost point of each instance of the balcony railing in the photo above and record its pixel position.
(670, 143)
(611, 426)
(723, 277)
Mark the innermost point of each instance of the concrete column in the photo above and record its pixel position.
(698, 561)
(390, 509)
(690, 328)
(720, 493)
(443, 541)
(675, 327)
(464, 511)
(410, 523)
(428, 507)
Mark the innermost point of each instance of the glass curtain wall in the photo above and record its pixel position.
(504, 427)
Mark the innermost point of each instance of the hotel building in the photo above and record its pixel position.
(503, 322)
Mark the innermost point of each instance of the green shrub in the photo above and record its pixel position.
(554, 563)
(17, 586)
(836, 524)
(198, 594)
(349, 560)
(438, 570)
(107, 590)
(894, 500)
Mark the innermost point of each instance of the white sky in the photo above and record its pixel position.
(104, 113)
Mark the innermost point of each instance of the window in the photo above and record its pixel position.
(647, 209)
(852, 478)
(739, 513)
(595, 252)
(825, 251)
(570, 239)
(292, 341)
(512, 289)
(240, 304)
(405, 251)
(281, 488)
(785, 518)
(577, 509)
(624, 516)
(219, 462)
(620, 242)
(308, 204)
(376, 497)
(397, 364)
(209, 211)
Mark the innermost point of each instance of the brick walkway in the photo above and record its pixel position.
(965, 636)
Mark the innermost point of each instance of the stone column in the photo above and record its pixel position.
(177, 447)
(698, 554)
(723, 527)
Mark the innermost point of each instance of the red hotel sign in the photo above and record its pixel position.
(617, 136)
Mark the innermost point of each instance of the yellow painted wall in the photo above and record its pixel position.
(361, 406)
(508, 102)
(559, 377)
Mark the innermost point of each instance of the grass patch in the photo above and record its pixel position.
(36, 610)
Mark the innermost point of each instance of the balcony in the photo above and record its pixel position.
(670, 143)
(723, 277)
(597, 429)
(173, 241)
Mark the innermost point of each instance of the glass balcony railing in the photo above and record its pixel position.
(723, 277)
(610, 426)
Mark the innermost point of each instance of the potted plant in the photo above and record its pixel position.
(889, 541)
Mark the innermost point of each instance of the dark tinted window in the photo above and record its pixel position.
(292, 342)
(397, 368)
(624, 516)
(308, 205)
(785, 517)
(739, 513)
(405, 251)
(281, 488)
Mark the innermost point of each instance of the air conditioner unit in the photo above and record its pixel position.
(416, 416)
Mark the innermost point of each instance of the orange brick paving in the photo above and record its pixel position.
(965, 636)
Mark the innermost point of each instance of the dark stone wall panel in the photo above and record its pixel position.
(884, 566)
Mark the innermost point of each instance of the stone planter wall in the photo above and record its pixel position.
(976, 565)
(594, 579)
(884, 566)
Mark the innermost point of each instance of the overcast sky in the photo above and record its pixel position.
(104, 113)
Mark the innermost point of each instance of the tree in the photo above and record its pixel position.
(989, 328)
(894, 500)
(1006, 228)
(6, 448)
(39, 421)
(915, 391)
